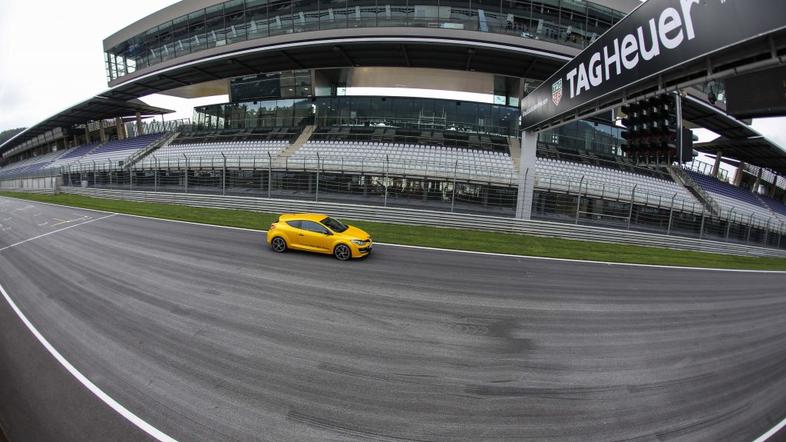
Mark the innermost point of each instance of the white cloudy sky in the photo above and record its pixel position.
(51, 58)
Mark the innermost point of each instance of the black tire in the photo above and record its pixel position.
(342, 252)
(278, 244)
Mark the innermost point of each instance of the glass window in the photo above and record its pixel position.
(334, 224)
(151, 47)
(214, 26)
(395, 13)
(334, 14)
(312, 226)
(256, 14)
(295, 223)
(166, 41)
(196, 30)
(280, 17)
(305, 15)
(361, 13)
(235, 21)
(182, 42)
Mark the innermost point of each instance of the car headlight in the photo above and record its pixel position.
(358, 242)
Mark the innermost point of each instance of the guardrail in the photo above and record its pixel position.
(436, 218)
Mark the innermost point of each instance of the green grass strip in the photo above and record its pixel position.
(459, 239)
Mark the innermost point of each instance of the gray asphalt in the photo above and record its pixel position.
(206, 334)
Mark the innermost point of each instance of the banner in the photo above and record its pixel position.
(657, 36)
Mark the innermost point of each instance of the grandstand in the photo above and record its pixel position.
(30, 166)
(246, 152)
(733, 199)
(561, 174)
(426, 160)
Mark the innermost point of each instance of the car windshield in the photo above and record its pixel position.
(334, 224)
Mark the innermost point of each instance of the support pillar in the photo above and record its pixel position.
(102, 131)
(76, 141)
(121, 128)
(716, 167)
(755, 188)
(87, 133)
(139, 128)
(526, 191)
(738, 175)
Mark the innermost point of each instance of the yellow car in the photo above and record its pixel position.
(314, 232)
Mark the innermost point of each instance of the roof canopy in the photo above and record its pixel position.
(94, 109)
(758, 151)
(737, 140)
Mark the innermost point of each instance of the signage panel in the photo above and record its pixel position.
(758, 95)
(659, 35)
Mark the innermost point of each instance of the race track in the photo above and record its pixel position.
(208, 335)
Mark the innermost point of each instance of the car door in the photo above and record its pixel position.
(316, 236)
(296, 235)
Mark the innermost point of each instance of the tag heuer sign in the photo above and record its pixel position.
(556, 92)
(658, 36)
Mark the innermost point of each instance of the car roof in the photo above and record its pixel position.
(301, 216)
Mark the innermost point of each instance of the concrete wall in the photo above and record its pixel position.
(38, 185)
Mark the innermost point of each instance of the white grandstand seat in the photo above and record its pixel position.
(243, 152)
(562, 175)
(406, 158)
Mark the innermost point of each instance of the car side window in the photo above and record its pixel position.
(311, 226)
(295, 224)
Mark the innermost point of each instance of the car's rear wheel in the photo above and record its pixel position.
(342, 252)
(278, 244)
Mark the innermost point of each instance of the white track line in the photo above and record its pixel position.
(57, 231)
(134, 419)
(772, 432)
(471, 252)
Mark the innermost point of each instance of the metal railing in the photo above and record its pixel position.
(438, 186)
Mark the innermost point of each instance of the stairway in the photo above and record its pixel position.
(299, 142)
(138, 155)
(679, 176)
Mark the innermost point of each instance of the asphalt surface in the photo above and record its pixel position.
(206, 334)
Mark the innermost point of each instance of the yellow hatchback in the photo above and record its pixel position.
(319, 233)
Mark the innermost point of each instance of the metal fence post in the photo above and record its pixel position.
(632, 201)
(728, 223)
(780, 234)
(578, 198)
(269, 174)
(767, 231)
(185, 174)
(224, 174)
(385, 179)
(453, 197)
(701, 228)
(130, 178)
(671, 214)
(750, 225)
(316, 190)
(155, 175)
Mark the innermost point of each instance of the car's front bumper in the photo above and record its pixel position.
(359, 251)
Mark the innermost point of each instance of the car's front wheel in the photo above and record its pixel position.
(278, 244)
(342, 252)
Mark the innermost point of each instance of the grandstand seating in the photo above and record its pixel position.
(405, 158)
(774, 205)
(246, 149)
(728, 197)
(557, 174)
(31, 165)
(118, 150)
